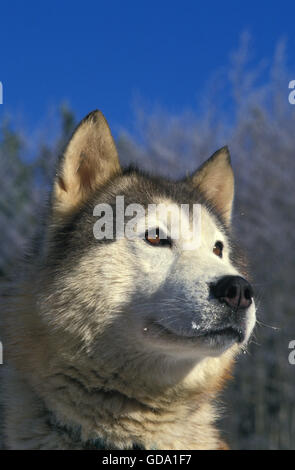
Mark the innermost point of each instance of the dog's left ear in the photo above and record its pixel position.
(215, 180)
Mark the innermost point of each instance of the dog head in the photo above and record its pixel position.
(152, 293)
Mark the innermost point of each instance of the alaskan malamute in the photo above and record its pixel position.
(116, 341)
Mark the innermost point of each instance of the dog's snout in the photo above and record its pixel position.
(235, 291)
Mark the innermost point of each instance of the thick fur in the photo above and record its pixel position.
(103, 339)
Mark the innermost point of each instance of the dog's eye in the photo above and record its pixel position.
(217, 250)
(157, 238)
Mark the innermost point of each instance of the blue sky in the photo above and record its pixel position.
(106, 54)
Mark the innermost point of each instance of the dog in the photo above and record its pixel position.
(119, 342)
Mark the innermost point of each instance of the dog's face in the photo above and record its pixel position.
(152, 293)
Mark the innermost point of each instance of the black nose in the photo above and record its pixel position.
(235, 291)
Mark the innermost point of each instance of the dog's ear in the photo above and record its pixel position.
(88, 162)
(215, 180)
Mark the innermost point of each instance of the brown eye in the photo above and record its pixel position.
(155, 238)
(217, 250)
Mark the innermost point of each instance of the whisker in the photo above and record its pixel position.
(261, 323)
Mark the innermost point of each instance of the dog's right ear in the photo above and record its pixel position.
(88, 162)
